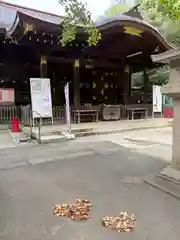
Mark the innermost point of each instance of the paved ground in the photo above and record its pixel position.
(6, 139)
(152, 142)
(102, 126)
(34, 178)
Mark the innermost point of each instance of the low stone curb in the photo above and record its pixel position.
(112, 131)
(77, 133)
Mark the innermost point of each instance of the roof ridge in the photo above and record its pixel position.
(27, 8)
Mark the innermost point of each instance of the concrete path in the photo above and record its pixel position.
(109, 175)
(103, 127)
(12, 140)
(152, 142)
(6, 140)
(107, 169)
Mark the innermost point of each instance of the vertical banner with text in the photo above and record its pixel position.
(157, 99)
(68, 115)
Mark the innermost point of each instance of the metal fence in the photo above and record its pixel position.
(57, 111)
(24, 113)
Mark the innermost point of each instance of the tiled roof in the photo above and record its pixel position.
(8, 14)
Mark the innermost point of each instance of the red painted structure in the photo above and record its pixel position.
(168, 112)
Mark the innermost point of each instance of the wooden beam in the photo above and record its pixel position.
(101, 63)
(59, 59)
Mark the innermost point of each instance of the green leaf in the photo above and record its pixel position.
(117, 9)
(77, 13)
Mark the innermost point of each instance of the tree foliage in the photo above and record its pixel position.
(157, 76)
(156, 11)
(170, 8)
(153, 14)
(117, 9)
(169, 28)
(77, 14)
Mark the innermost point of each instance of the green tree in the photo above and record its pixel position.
(169, 28)
(170, 8)
(157, 76)
(167, 8)
(77, 14)
(117, 9)
(151, 13)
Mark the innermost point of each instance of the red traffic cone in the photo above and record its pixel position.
(15, 125)
(166, 113)
(171, 113)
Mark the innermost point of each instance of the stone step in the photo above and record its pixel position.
(50, 133)
(85, 134)
(35, 134)
(4, 127)
(52, 138)
(82, 130)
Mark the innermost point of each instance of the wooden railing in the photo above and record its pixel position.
(24, 114)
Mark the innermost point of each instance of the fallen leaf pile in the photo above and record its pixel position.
(122, 223)
(79, 211)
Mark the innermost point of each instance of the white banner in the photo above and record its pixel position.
(68, 115)
(157, 99)
(41, 97)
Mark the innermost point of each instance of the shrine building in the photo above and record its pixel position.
(30, 48)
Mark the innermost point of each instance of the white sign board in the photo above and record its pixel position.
(68, 115)
(157, 99)
(41, 97)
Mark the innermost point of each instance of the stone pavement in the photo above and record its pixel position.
(6, 140)
(105, 172)
(93, 128)
(35, 154)
(153, 142)
(11, 140)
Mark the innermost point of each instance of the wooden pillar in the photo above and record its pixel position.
(43, 67)
(127, 85)
(146, 85)
(76, 83)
